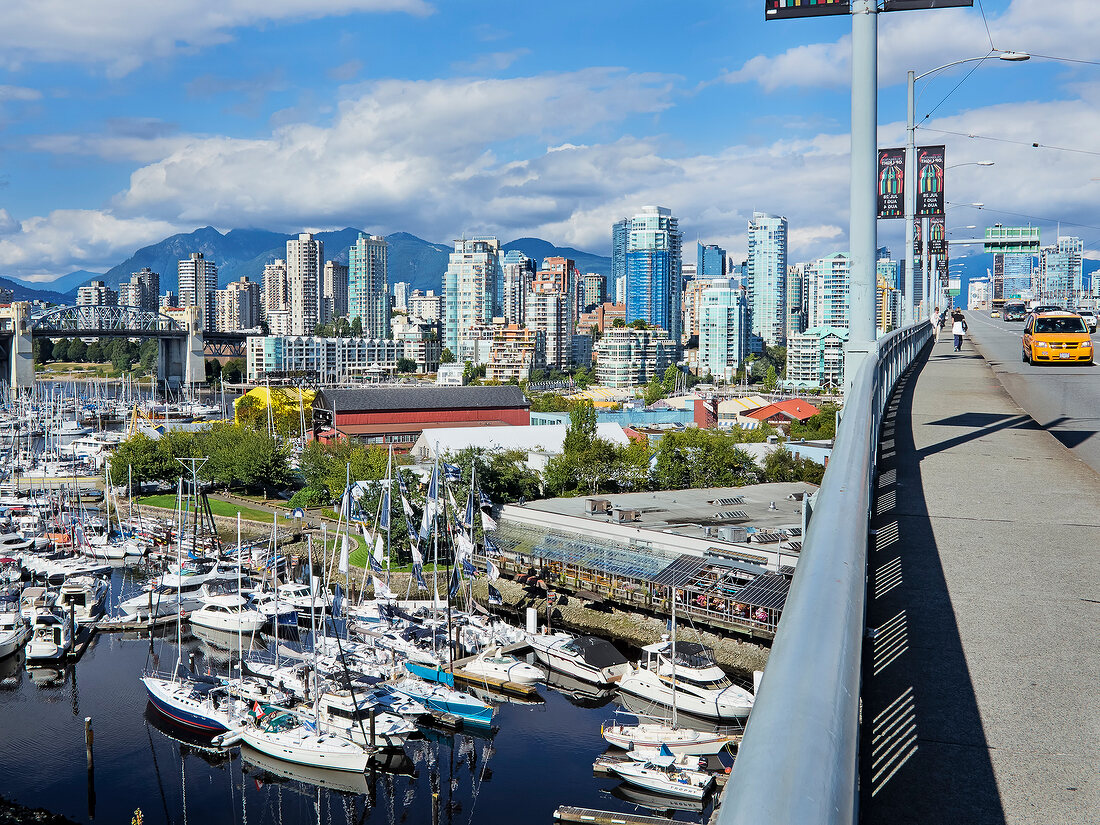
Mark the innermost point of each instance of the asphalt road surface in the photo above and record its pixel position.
(1063, 399)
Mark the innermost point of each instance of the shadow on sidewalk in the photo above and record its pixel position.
(923, 753)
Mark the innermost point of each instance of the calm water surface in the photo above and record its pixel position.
(539, 758)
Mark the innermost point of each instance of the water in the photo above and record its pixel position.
(541, 757)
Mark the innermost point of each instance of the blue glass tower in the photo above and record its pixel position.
(653, 271)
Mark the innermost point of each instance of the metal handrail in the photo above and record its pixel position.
(797, 763)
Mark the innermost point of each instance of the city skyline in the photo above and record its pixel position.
(120, 137)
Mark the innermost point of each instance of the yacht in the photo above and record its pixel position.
(663, 774)
(696, 686)
(588, 658)
(495, 664)
(51, 637)
(229, 614)
(284, 735)
(14, 629)
(339, 713)
(85, 595)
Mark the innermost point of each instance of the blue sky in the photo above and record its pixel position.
(123, 122)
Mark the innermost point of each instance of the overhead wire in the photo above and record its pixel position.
(1032, 144)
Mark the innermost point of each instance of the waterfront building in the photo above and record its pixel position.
(516, 352)
(629, 357)
(828, 282)
(425, 305)
(238, 306)
(517, 273)
(326, 360)
(401, 290)
(274, 291)
(96, 294)
(815, 359)
(198, 282)
(723, 330)
(368, 290)
(1061, 272)
(334, 291)
(766, 275)
(653, 271)
(711, 261)
(305, 264)
(142, 290)
(469, 286)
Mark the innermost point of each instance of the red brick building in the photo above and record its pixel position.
(396, 416)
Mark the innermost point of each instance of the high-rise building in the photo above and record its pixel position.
(620, 290)
(96, 294)
(593, 290)
(517, 273)
(142, 290)
(238, 306)
(276, 295)
(828, 282)
(401, 291)
(816, 359)
(723, 335)
(620, 237)
(1061, 272)
(427, 306)
(796, 299)
(653, 271)
(693, 295)
(305, 264)
(334, 291)
(548, 309)
(629, 357)
(888, 305)
(368, 290)
(1014, 249)
(469, 284)
(767, 277)
(711, 261)
(198, 282)
(169, 299)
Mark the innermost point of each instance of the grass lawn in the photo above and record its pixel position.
(219, 508)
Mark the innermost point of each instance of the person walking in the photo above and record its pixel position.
(958, 328)
(937, 322)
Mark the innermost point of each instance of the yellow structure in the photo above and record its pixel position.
(291, 405)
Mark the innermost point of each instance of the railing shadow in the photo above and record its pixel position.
(923, 752)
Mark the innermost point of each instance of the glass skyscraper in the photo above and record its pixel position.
(620, 234)
(711, 262)
(1061, 272)
(653, 271)
(723, 338)
(368, 290)
(767, 277)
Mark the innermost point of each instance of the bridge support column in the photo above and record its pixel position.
(196, 355)
(19, 370)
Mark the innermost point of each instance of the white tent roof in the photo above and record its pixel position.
(548, 438)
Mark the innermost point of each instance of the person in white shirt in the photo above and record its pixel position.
(937, 322)
(958, 328)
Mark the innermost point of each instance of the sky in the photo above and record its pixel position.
(127, 121)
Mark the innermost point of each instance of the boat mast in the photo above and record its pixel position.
(673, 657)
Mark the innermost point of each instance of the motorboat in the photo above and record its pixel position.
(694, 684)
(588, 658)
(85, 596)
(51, 637)
(440, 696)
(15, 629)
(494, 664)
(662, 774)
(230, 614)
(12, 543)
(11, 570)
(349, 713)
(285, 735)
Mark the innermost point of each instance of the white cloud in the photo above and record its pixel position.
(124, 34)
(922, 40)
(492, 62)
(18, 93)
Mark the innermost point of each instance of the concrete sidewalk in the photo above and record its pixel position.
(981, 692)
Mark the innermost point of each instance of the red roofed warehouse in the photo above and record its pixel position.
(397, 415)
(783, 412)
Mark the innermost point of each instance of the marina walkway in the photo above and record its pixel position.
(981, 676)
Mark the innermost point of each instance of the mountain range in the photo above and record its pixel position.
(244, 252)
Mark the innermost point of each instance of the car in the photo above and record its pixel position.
(995, 313)
(1056, 338)
(1045, 308)
(1090, 318)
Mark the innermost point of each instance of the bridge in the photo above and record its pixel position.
(937, 659)
(180, 358)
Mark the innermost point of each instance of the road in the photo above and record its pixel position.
(1064, 400)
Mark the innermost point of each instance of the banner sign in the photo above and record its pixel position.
(786, 9)
(930, 180)
(917, 5)
(918, 238)
(891, 183)
(937, 236)
(941, 270)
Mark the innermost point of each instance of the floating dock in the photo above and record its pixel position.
(591, 816)
(490, 683)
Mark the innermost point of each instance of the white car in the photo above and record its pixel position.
(1090, 318)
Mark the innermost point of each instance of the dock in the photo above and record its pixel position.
(490, 683)
(81, 642)
(115, 625)
(591, 816)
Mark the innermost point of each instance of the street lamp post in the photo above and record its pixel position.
(911, 168)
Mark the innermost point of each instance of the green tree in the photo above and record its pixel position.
(78, 351)
(213, 370)
(61, 350)
(583, 377)
(447, 357)
(771, 380)
(549, 402)
(702, 458)
(668, 380)
(149, 460)
(406, 365)
(43, 350)
(325, 466)
(240, 457)
(233, 370)
(502, 475)
(148, 355)
(357, 327)
(821, 427)
(783, 465)
(638, 323)
(582, 428)
(124, 356)
(618, 323)
(654, 391)
(472, 372)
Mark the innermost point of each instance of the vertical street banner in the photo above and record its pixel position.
(942, 264)
(918, 239)
(937, 236)
(930, 180)
(891, 183)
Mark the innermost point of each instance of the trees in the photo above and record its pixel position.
(78, 350)
(654, 391)
(240, 457)
(324, 467)
(43, 350)
(356, 327)
(213, 370)
(148, 355)
(233, 370)
(549, 402)
(502, 475)
(782, 465)
(61, 350)
(771, 380)
(149, 460)
(447, 357)
(406, 365)
(821, 427)
(702, 458)
(95, 353)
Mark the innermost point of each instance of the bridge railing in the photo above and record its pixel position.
(797, 763)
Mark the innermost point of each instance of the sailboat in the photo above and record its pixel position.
(701, 689)
(665, 774)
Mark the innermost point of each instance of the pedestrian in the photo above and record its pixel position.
(937, 321)
(958, 328)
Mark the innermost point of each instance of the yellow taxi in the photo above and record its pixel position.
(1056, 337)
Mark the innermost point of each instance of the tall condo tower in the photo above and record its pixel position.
(198, 284)
(305, 263)
(334, 291)
(469, 287)
(653, 271)
(767, 277)
(368, 288)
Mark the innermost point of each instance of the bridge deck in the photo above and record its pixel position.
(981, 699)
